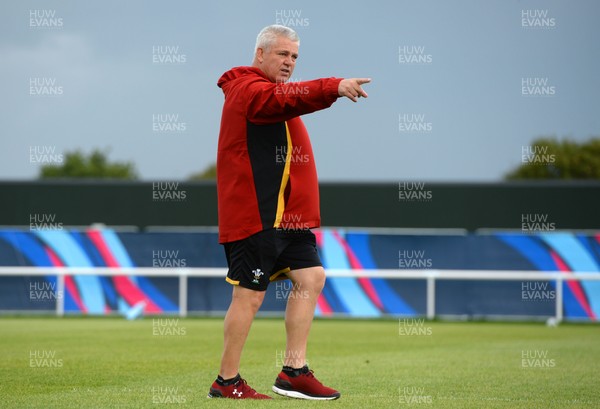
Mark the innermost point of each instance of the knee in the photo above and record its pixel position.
(249, 298)
(256, 300)
(315, 280)
(320, 278)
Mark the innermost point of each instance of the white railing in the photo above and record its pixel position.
(431, 276)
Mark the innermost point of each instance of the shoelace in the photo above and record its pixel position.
(245, 387)
(311, 374)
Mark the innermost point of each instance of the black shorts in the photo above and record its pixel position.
(267, 255)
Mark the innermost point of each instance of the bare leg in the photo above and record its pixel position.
(244, 305)
(308, 283)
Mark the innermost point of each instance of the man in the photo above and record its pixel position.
(268, 202)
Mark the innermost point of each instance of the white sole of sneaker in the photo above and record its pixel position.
(299, 395)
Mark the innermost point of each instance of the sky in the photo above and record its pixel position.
(459, 88)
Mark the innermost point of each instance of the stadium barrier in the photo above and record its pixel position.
(431, 276)
(366, 204)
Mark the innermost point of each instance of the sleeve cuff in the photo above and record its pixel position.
(330, 89)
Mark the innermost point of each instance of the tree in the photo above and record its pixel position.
(94, 166)
(209, 173)
(549, 158)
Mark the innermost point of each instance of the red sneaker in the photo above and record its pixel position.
(303, 386)
(238, 390)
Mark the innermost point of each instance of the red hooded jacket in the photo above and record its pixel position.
(266, 174)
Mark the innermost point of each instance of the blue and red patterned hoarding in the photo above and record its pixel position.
(340, 249)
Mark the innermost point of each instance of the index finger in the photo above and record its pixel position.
(363, 80)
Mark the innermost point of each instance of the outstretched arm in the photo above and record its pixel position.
(269, 102)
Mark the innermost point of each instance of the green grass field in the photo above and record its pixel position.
(113, 363)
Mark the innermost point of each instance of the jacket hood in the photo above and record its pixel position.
(235, 73)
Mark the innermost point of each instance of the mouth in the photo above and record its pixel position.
(285, 71)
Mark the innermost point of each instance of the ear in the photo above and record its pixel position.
(259, 55)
